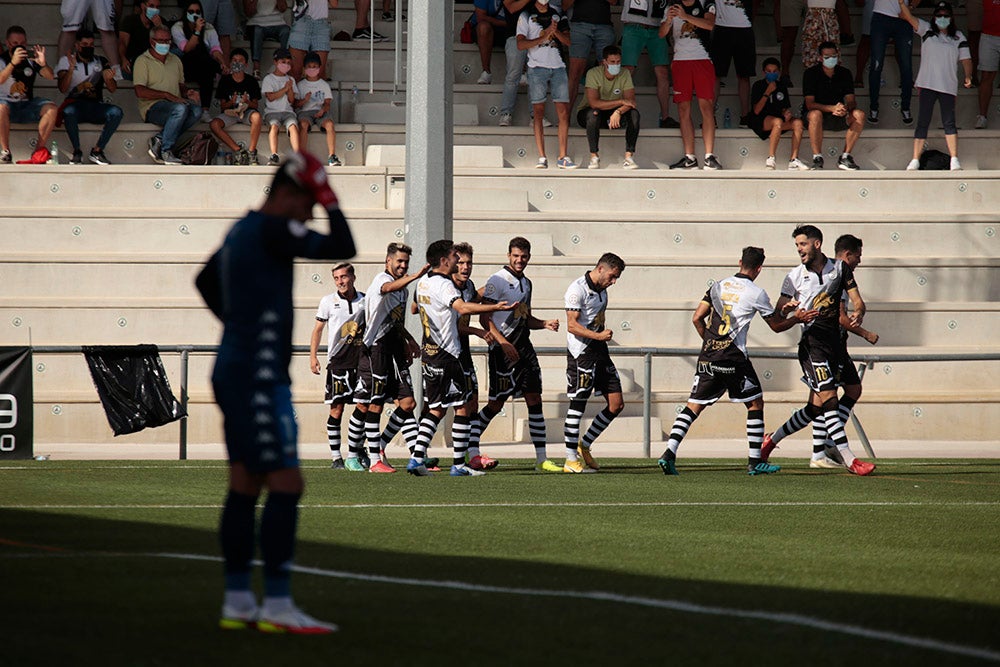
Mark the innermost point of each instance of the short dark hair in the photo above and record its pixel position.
(16, 30)
(312, 57)
(611, 50)
(770, 61)
(344, 265)
(438, 251)
(394, 247)
(611, 260)
(847, 243)
(463, 248)
(828, 45)
(84, 33)
(810, 231)
(520, 243)
(240, 52)
(752, 257)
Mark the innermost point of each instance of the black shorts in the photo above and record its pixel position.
(524, 377)
(737, 45)
(847, 372)
(712, 380)
(819, 359)
(831, 123)
(756, 123)
(340, 385)
(591, 373)
(382, 377)
(471, 379)
(444, 381)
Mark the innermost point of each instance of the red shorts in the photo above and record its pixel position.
(693, 76)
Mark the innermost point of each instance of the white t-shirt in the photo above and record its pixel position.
(887, 7)
(208, 37)
(543, 55)
(649, 13)
(267, 14)
(821, 4)
(344, 319)
(272, 83)
(86, 79)
(314, 9)
(939, 55)
(691, 42)
(383, 312)
(320, 90)
(435, 294)
(732, 14)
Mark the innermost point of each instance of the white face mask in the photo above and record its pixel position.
(543, 3)
(615, 69)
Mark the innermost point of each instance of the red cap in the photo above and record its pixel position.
(310, 175)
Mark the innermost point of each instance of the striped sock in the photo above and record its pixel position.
(680, 428)
(333, 436)
(836, 430)
(536, 427)
(373, 434)
(479, 423)
(819, 437)
(798, 421)
(755, 434)
(396, 421)
(355, 434)
(428, 427)
(571, 428)
(460, 429)
(601, 422)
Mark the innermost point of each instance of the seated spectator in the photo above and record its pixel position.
(222, 15)
(239, 98)
(265, 20)
(133, 34)
(202, 56)
(313, 100)
(771, 114)
(609, 101)
(830, 105)
(640, 32)
(279, 92)
(820, 25)
(590, 31)
(19, 65)
(164, 100)
(82, 77)
(310, 32)
(74, 13)
(492, 30)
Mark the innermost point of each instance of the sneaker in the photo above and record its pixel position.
(981, 122)
(292, 621)
(669, 123)
(712, 163)
(847, 163)
(588, 460)
(485, 78)
(668, 466)
(825, 462)
(354, 465)
(338, 464)
(505, 119)
(770, 162)
(796, 164)
(206, 116)
(955, 164)
(40, 156)
(523, 81)
(369, 34)
(545, 121)
(388, 17)
(543, 163)
(861, 468)
(431, 463)
(243, 158)
(274, 160)
(334, 161)
(98, 157)
(482, 462)
(629, 163)
(548, 466)
(253, 161)
(6, 157)
(913, 165)
(595, 162)
(168, 157)
(873, 116)
(153, 147)
(76, 157)
(465, 471)
(417, 468)
(907, 117)
(565, 163)
(575, 466)
(762, 468)
(238, 619)
(364, 459)
(381, 467)
(817, 162)
(766, 447)
(685, 163)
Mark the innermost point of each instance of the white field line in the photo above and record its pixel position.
(679, 503)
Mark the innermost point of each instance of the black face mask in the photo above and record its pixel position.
(87, 52)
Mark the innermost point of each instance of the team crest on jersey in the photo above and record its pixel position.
(617, 91)
(490, 290)
(574, 299)
(779, 96)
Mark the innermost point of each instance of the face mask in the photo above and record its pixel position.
(193, 17)
(942, 22)
(162, 49)
(282, 68)
(831, 62)
(543, 3)
(312, 71)
(152, 12)
(771, 77)
(87, 52)
(236, 67)
(615, 70)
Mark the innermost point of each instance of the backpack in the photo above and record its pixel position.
(934, 159)
(199, 149)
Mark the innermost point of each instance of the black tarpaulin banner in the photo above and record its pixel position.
(16, 403)
(133, 386)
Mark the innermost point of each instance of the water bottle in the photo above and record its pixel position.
(55, 153)
(727, 119)
(354, 95)
(220, 157)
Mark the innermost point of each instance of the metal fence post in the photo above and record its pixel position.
(185, 352)
(854, 417)
(647, 401)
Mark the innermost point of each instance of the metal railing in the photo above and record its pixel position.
(865, 362)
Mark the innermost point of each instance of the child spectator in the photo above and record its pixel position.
(265, 20)
(279, 92)
(771, 114)
(313, 102)
(201, 54)
(239, 97)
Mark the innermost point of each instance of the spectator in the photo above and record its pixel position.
(222, 15)
(830, 106)
(640, 31)
(941, 47)
(733, 41)
(771, 114)
(133, 34)
(202, 55)
(19, 65)
(790, 14)
(313, 101)
(74, 12)
(164, 100)
(989, 59)
(516, 60)
(82, 77)
(279, 91)
(490, 22)
(239, 101)
(310, 32)
(265, 20)
(974, 30)
(538, 31)
(864, 44)
(820, 25)
(609, 102)
(362, 27)
(691, 23)
(590, 31)
(887, 24)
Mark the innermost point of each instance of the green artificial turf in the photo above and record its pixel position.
(570, 569)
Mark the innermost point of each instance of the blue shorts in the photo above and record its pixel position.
(542, 80)
(587, 37)
(259, 424)
(309, 34)
(29, 111)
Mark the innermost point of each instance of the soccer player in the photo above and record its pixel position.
(344, 311)
(819, 283)
(513, 364)
(588, 363)
(445, 386)
(247, 284)
(724, 366)
(384, 372)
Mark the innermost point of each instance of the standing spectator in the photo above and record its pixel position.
(540, 30)
(888, 24)
(164, 100)
(733, 41)
(830, 106)
(222, 15)
(691, 23)
(609, 101)
(492, 30)
(310, 32)
(82, 77)
(19, 66)
(790, 13)
(313, 101)
(941, 47)
(974, 31)
(203, 58)
(590, 32)
(279, 91)
(641, 31)
(265, 20)
(820, 26)
(989, 59)
(239, 101)
(864, 51)
(362, 25)
(103, 12)
(771, 115)
(515, 59)
(133, 35)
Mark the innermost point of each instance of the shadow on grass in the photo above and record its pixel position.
(85, 590)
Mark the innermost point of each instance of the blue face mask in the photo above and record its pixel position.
(831, 62)
(771, 77)
(942, 22)
(615, 70)
(152, 12)
(162, 49)
(193, 17)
